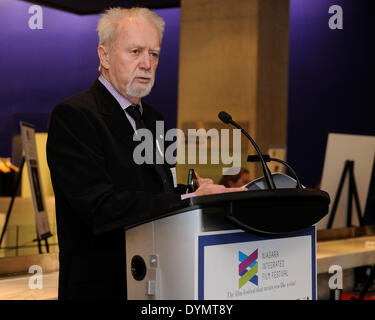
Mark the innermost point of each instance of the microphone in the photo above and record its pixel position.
(226, 118)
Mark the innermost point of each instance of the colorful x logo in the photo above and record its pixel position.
(248, 268)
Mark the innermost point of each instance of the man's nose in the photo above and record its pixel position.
(145, 62)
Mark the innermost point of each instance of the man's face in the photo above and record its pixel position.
(134, 57)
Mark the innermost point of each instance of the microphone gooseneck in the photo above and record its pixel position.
(226, 118)
(267, 158)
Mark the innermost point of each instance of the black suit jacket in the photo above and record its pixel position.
(99, 190)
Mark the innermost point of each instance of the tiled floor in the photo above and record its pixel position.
(21, 287)
(18, 288)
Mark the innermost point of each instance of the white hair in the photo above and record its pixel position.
(109, 20)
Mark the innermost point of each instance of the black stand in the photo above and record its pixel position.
(352, 192)
(368, 283)
(40, 245)
(14, 193)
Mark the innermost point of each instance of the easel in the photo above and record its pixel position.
(352, 192)
(14, 194)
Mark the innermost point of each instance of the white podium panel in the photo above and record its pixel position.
(169, 241)
(196, 254)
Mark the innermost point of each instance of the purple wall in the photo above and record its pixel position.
(42, 67)
(330, 80)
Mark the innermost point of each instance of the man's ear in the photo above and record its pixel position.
(103, 54)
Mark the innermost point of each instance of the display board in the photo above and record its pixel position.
(340, 148)
(277, 152)
(31, 160)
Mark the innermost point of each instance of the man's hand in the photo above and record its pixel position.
(202, 181)
(211, 188)
(207, 186)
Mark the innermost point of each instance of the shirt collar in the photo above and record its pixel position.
(124, 102)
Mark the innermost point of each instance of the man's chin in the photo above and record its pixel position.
(138, 93)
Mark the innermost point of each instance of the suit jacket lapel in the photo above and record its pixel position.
(113, 114)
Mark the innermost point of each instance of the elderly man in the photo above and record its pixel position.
(99, 189)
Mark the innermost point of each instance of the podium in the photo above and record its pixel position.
(245, 245)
